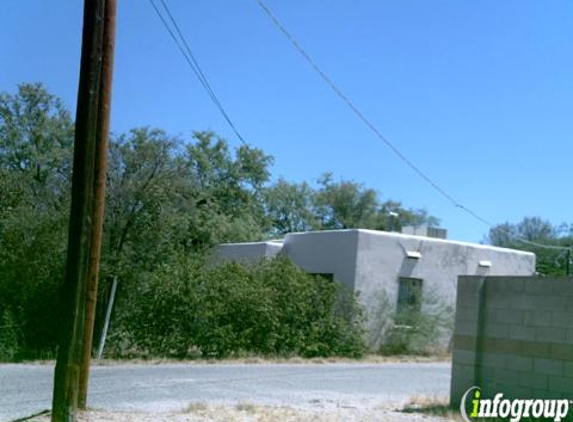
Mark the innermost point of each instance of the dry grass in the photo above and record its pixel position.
(195, 407)
(260, 360)
(248, 412)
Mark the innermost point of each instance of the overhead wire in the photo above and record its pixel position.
(354, 108)
(187, 53)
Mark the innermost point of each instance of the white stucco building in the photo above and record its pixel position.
(388, 267)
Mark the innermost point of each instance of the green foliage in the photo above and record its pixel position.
(162, 194)
(290, 207)
(271, 308)
(346, 205)
(9, 336)
(168, 199)
(422, 331)
(36, 135)
(334, 205)
(549, 262)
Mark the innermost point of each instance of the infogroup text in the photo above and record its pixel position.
(515, 409)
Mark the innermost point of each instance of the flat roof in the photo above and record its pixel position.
(414, 237)
(262, 242)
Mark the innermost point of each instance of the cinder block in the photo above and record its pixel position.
(550, 334)
(466, 328)
(543, 394)
(487, 372)
(568, 369)
(520, 363)
(503, 316)
(535, 349)
(507, 377)
(562, 351)
(467, 314)
(537, 318)
(561, 385)
(537, 286)
(569, 338)
(509, 316)
(522, 393)
(499, 301)
(562, 319)
(569, 305)
(522, 332)
(501, 345)
(489, 388)
(562, 287)
(524, 302)
(495, 360)
(490, 314)
(536, 381)
(548, 366)
(469, 289)
(463, 371)
(462, 342)
(497, 330)
(552, 303)
(463, 357)
(505, 286)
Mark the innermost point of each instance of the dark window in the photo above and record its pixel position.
(409, 300)
(327, 276)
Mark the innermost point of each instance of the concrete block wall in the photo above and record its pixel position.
(513, 335)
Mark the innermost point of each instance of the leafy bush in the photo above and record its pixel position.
(165, 199)
(32, 254)
(9, 336)
(271, 308)
(420, 332)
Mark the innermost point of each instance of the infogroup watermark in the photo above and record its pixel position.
(514, 409)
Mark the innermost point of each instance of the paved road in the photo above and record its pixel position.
(25, 389)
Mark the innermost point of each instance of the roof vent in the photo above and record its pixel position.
(413, 254)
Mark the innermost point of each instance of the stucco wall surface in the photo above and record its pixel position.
(250, 252)
(325, 252)
(382, 258)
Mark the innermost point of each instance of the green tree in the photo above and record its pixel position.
(290, 207)
(167, 199)
(346, 204)
(230, 190)
(36, 136)
(164, 195)
(531, 234)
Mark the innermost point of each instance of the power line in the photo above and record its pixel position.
(184, 48)
(379, 134)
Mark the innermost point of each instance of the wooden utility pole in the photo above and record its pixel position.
(81, 227)
(102, 142)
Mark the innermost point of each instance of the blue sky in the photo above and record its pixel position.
(477, 94)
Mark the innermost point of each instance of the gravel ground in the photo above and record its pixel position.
(351, 388)
(254, 413)
(345, 392)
